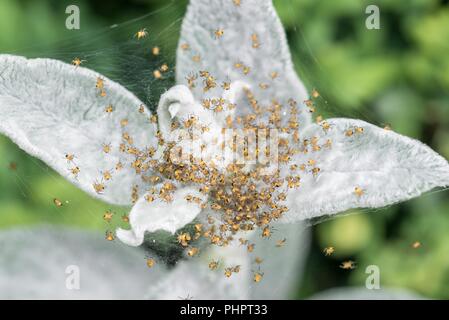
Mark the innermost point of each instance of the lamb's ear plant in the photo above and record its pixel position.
(233, 71)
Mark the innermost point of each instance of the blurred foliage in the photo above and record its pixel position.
(398, 75)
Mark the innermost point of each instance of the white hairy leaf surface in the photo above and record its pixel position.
(50, 109)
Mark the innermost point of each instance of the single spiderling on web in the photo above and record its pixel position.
(157, 74)
(150, 262)
(196, 58)
(228, 272)
(218, 33)
(109, 108)
(99, 84)
(184, 239)
(57, 202)
(328, 251)
(75, 171)
(359, 130)
(226, 85)
(213, 265)
(258, 276)
(348, 265)
(107, 175)
(264, 86)
(107, 216)
(185, 46)
(359, 191)
(153, 119)
(191, 78)
(280, 243)
(109, 236)
(164, 67)
(124, 122)
(69, 157)
(142, 33)
(349, 132)
(193, 251)
(77, 62)
(98, 187)
(416, 245)
(106, 147)
(315, 94)
(155, 51)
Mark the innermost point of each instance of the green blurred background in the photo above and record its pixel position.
(398, 75)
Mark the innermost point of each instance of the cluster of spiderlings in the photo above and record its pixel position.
(245, 199)
(242, 198)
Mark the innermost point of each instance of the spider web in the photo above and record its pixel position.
(115, 51)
